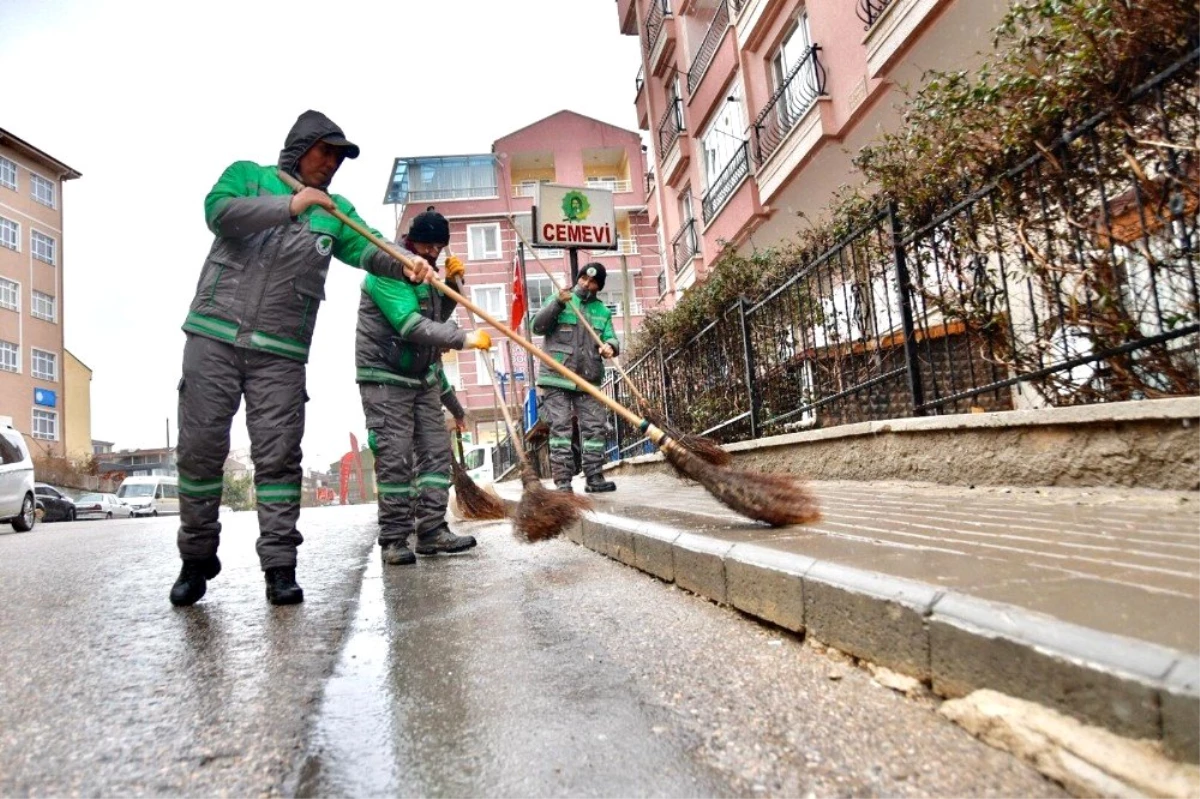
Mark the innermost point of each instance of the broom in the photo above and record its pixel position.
(473, 502)
(776, 499)
(698, 445)
(541, 513)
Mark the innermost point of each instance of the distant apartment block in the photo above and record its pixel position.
(77, 386)
(139, 462)
(32, 356)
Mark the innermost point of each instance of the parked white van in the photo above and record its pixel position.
(478, 461)
(16, 479)
(150, 496)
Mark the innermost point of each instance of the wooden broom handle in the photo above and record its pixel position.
(508, 420)
(583, 318)
(653, 432)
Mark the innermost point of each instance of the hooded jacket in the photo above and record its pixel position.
(569, 342)
(264, 278)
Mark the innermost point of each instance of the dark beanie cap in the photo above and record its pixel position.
(429, 227)
(595, 270)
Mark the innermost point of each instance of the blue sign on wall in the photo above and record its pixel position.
(45, 397)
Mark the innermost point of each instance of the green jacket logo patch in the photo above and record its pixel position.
(324, 245)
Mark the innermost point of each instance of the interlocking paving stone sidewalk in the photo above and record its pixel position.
(1119, 561)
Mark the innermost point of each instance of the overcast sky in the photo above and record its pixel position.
(151, 100)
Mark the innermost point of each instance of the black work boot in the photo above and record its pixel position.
(397, 553)
(564, 485)
(444, 541)
(193, 580)
(596, 484)
(281, 586)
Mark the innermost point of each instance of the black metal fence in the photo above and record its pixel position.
(723, 186)
(1071, 279)
(804, 83)
(708, 48)
(869, 11)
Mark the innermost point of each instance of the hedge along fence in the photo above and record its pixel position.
(1054, 270)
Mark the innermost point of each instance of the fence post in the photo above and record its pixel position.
(748, 359)
(903, 284)
(666, 384)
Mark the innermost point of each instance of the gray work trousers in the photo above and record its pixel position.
(560, 405)
(407, 433)
(215, 377)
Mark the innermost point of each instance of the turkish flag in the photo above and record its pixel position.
(517, 313)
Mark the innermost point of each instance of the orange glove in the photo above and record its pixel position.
(455, 268)
(479, 339)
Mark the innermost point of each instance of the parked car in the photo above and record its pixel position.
(53, 505)
(101, 506)
(16, 479)
(150, 496)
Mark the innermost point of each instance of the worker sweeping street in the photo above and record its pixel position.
(249, 328)
(402, 330)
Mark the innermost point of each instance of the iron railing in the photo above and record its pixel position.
(708, 49)
(656, 15)
(1071, 279)
(685, 245)
(869, 11)
(670, 126)
(640, 81)
(649, 183)
(726, 183)
(662, 282)
(799, 90)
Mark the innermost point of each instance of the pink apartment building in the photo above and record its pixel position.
(755, 107)
(477, 193)
(33, 361)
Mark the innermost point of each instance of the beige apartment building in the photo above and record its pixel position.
(77, 411)
(32, 356)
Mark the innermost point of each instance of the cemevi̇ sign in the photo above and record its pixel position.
(574, 217)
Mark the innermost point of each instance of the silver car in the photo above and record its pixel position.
(101, 506)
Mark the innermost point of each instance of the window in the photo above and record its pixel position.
(42, 190)
(483, 242)
(8, 174)
(490, 299)
(10, 234)
(43, 306)
(10, 357)
(43, 247)
(459, 177)
(482, 376)
(45, 424)
(540, 289)
(453, 373)
(795, 48)
(723, 138)
(45, 364)
(10, 294)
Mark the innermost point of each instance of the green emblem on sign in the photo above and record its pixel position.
(575, 206)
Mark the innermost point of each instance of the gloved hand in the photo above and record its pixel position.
(455, 268)
(606, 351)
(479, 339)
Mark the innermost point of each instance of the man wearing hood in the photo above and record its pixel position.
(248, 330)
(569, 343)
(402, 331)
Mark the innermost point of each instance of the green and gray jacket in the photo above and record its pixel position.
(402, 331)
(569, 342)
(264, 278)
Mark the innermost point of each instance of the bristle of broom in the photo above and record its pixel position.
(473, 501)
(701, 447)
(776, 499)
(543, 514)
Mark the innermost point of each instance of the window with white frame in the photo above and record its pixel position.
(43, 306)
(482, 376)
(44, 248)
(10, 294)
(453, 372)
(795, 49)
(10, 234)
(725, 136)
(45, 364)
(490, 299)
(42, 190)
(45, 424)
(483, 242)
(10, 357)
(540, 289)
(8, 173)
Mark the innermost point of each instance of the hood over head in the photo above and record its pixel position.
(311, 127)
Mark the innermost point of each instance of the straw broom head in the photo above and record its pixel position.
(473, 501)
(699, 446)
(543, 514)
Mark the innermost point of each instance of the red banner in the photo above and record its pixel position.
(517, 314)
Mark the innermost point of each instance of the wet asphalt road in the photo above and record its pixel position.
(510, 670)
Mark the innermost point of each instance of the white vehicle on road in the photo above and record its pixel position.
(16, 479)
(150, 496)
(101, 506)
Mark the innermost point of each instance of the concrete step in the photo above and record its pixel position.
(1084, 600)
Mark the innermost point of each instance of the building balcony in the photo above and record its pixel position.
(708, 49)
(726, 183)
(641, 101)
(869, 11)
(789, 104)
(669, 127)
(890, 25)
(658, 37)
(627, 16)
(685, 246)
(752, 20)
(615, 186)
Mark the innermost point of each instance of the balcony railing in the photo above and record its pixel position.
(662, 282)
(640, 81)
(708, 50)
(659, 11)
(670, 126)
(685, 245)
(730, 178)
(800, 89)
(467, 193)
(869, 11)
(615, 186)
